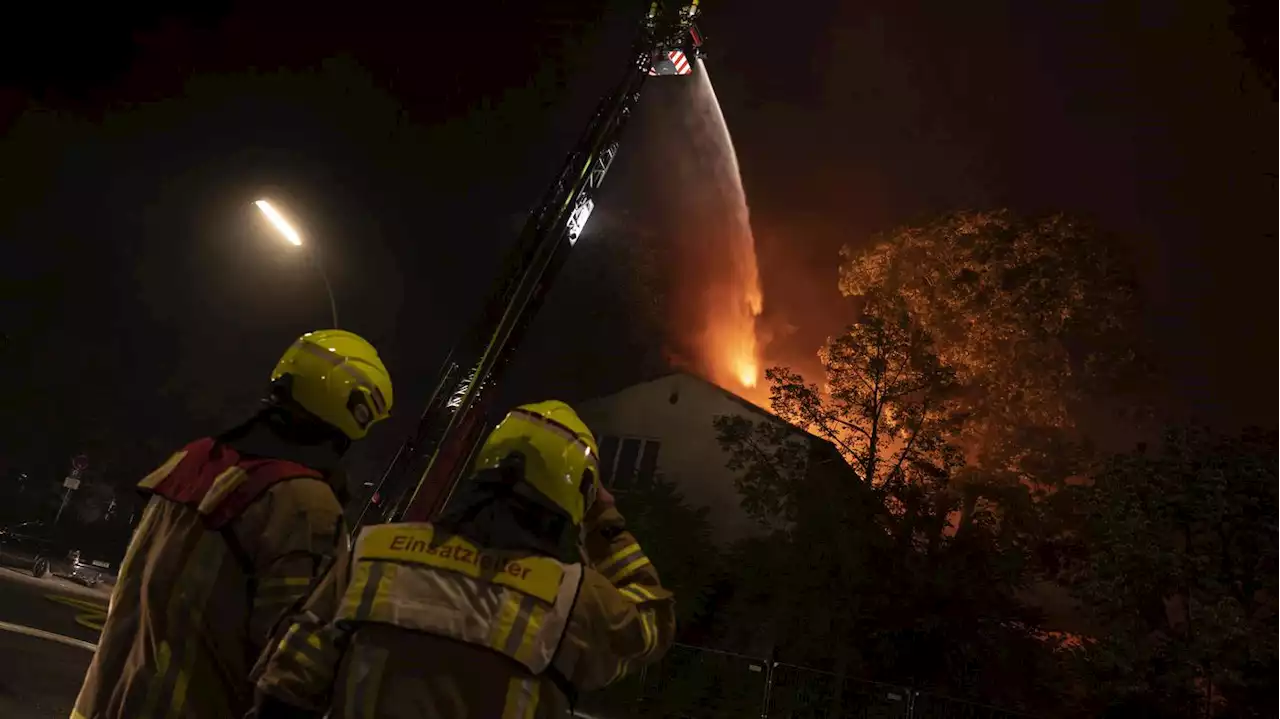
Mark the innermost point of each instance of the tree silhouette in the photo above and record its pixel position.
(866, 573)
(1179, 575)
(677, 538)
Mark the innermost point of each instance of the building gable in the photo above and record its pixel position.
(663, 427)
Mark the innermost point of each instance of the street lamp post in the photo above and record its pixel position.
(333, 305)
(292, 237)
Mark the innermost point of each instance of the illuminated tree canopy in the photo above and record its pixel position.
(876, 575)
(1036, 317)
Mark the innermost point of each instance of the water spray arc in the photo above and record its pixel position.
(732, 299)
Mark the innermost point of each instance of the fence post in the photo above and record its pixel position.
(911, 703)
(768, 687)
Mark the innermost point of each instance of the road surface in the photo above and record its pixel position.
(47, 629)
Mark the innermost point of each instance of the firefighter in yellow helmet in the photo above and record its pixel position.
(475, 615)
(238, 530)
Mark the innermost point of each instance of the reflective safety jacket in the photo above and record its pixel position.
(227, 549)
(433, 625)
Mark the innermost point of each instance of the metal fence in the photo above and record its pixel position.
(803, 693)
(696, 683)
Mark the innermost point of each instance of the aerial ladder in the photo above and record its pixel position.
(424, 471)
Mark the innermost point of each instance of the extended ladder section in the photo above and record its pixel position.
(427, 466)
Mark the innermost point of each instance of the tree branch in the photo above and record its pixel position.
(763, 458)
(849, 425)
(906, 451)
(834, 437)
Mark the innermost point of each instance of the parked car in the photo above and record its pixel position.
(27, 545)
(88, 569)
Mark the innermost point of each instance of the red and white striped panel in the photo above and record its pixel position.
(680, 61)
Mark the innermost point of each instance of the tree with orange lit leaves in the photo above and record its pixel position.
(888, 403)
(1036, 317)
(882, 583)
(1039, 320)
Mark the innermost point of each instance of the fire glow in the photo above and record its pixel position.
(732, 296)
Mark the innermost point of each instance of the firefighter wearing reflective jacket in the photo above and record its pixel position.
(237, 532)
(474, 615)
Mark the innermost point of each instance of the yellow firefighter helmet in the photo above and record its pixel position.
(337, 376)
(558, 454)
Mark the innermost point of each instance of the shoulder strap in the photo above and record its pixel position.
(216, 481)
(186, 476)
(234, 490)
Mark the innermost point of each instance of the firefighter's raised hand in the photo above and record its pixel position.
(602, 513)
(604, 499)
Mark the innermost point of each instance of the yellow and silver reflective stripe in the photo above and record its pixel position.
(519, 620)
(307, 648)
(340, 362)
(364, 679)
(151, 480)
(508, 613)
(623, 562)
(277, 584)
(522, 698)
(149, 514)
(208, 556)
(629, 569)
(280, 591)
(518, 626)
(638, 593)
(649, 625)
(163, 657)
(536, 616)
(369, 591)
(555, 427)
(620, 672)
(224, 484)
(350, 602)
(194, 588)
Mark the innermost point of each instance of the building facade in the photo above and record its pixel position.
(663, 428)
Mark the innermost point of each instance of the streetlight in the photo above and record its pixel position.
(291, 235)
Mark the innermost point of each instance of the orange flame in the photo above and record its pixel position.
(731, 349)
(745, 360)
(737, 299)
(748, 371)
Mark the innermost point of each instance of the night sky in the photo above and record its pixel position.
(145, 302)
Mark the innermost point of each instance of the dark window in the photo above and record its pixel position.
(648, 462)
(626, 471)
(608, 451)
